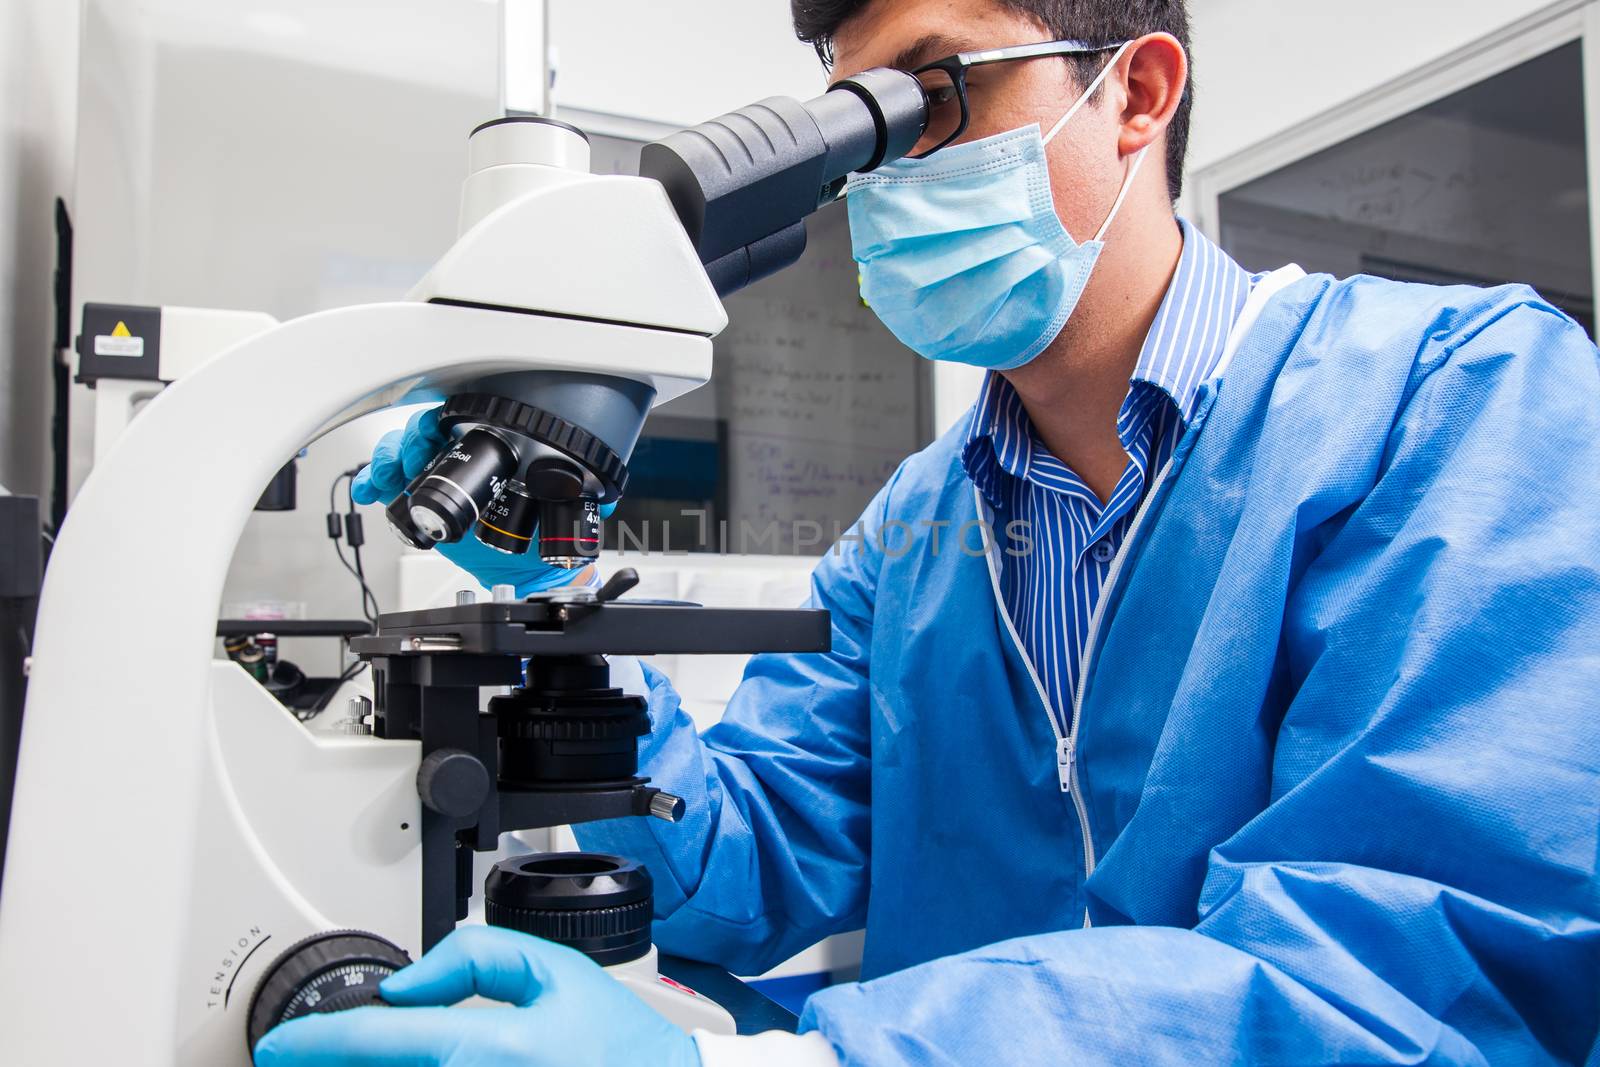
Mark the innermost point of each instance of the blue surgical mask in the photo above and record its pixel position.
(962, 254)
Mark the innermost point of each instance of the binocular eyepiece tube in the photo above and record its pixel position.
(743, 184)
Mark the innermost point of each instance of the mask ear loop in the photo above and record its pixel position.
(1105, 72)
(1127, 187)
(1138, 160)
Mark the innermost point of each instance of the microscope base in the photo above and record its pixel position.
(682, 1006)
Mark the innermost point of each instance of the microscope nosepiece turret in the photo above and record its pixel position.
(518, 477)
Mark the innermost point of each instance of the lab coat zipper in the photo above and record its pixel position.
(1065, 758)
(1067, 741)
(1067, 744)
(1067, 748)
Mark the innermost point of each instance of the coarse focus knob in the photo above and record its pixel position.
(325, 972)
(453, 782)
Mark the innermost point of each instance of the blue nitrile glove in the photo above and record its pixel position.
(399, 457)
(567, 1011)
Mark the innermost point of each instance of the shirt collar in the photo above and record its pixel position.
(1185, 343)
(1190, 332)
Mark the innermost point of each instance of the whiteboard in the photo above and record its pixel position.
(822, 402)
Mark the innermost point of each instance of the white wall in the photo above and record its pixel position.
(1266, 66)
(675, 61)
(38, 82)
(284, 156)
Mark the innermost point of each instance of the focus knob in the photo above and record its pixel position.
(325, 972)
(453, 782)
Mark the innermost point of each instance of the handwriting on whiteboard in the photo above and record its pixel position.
(821, 402)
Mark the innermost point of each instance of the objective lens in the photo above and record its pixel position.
(450, 497)
(399, 515)
(507, 523)
(429, 524)
(569, 532)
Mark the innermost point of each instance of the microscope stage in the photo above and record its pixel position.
(640, 628)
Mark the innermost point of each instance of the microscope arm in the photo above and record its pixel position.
(120, 705)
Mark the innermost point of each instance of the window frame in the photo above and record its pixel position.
(1560, 24)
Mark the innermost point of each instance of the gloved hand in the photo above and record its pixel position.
(567, 1011)
(400, 457)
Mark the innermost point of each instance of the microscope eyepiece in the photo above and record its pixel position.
(896, 106)
(742, 184)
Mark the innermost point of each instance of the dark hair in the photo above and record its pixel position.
(1097, 21)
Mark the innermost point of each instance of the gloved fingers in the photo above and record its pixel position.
(381, 480)
(423, 440)
(362, 491)
(607, 509)
(483, 960)
(374, 1037)
(481, 561)
(424, 423)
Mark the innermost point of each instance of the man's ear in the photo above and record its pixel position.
(1155, 72)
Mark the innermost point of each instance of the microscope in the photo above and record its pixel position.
(245, 870)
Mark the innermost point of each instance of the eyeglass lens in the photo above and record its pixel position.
(944, 108)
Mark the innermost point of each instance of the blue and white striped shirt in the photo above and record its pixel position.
(1050, 592)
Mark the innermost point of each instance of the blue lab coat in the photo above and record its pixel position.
(1338, 749)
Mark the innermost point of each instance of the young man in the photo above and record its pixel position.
(1281, 744)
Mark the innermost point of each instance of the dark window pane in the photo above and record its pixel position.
(1486, 186)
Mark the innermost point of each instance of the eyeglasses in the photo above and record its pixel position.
(945, 82)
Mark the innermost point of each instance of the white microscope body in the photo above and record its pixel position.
(225, 831)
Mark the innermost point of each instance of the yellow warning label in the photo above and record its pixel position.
(121, 330)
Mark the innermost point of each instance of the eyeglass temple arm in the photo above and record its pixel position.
(1033, 51)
